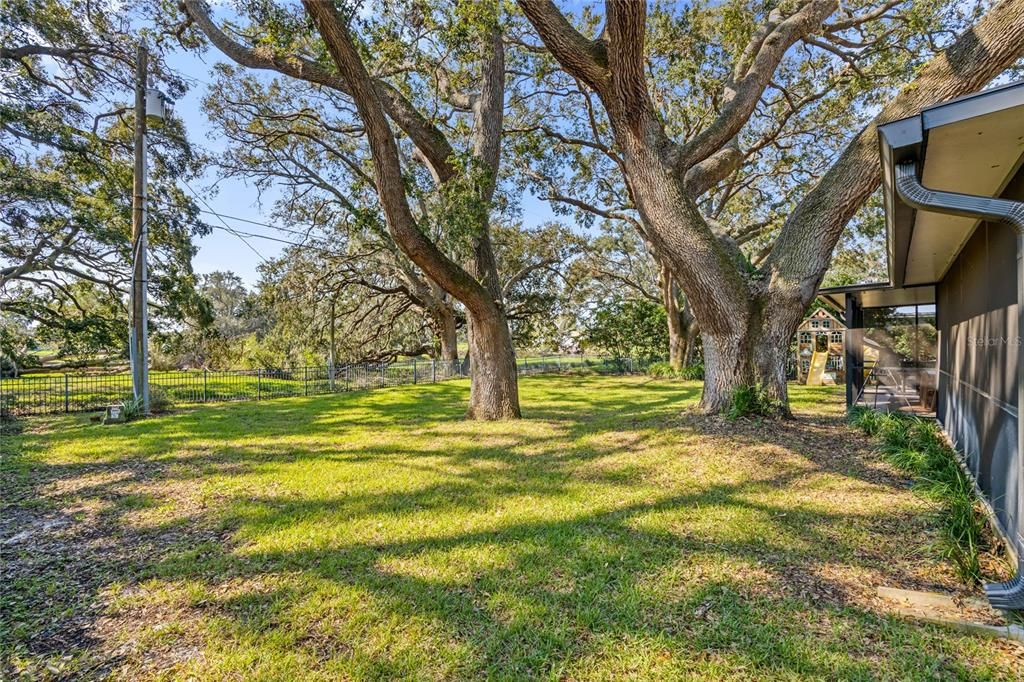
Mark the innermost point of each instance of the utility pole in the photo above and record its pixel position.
(148, 102)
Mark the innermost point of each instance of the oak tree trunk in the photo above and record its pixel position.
(691, 344)
(674, 317)
(494, 384)
(752, 356)
(676, 344)
(494, 389)
(445, 332)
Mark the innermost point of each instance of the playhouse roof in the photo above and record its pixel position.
(821, 314)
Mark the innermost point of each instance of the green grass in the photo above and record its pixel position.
(611, 534)
(76, 391)
(916, 447)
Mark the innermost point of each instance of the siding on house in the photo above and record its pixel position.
(979, 349)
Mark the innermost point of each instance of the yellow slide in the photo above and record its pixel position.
(817, 368)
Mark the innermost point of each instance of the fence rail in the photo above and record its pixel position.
(55, 393)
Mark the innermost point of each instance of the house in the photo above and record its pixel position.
(949, 316)
(819, 349)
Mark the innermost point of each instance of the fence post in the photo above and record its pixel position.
(305, 381)
(433, 371)
(414, 370)
(383, 381)
(259, 384)
(204, 385)
(67, 404)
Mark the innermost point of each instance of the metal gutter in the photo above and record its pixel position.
(906, 139)
(1007, 595)
(976, 104)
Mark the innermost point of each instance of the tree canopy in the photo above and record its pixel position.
(715, 161)
(66, 177)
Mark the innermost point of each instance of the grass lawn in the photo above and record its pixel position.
(612, 534)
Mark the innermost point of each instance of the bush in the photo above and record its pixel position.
(694, 372)
(915, 447)
(159, 400)
(131, 409)
(660, 370)
(752, 401)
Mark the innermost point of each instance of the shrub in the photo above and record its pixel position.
(694, 372)
(752, 401)
(159, 400)
(867, 420)
(131, 409)
(663, 370)
(660, 370)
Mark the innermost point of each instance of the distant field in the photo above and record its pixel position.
(612, 534)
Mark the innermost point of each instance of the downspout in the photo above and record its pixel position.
(1007, 595)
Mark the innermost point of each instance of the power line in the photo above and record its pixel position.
(280, 228)
(226, 226)
(242, 235)
(208, 211)
(254, 235)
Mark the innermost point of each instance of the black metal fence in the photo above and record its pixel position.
(54, 393)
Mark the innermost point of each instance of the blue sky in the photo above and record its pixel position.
(222, 250)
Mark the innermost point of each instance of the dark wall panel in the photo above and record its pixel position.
(978, 355)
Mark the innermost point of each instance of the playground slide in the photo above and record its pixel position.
(817, 368)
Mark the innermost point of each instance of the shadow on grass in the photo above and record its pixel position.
(548, 547)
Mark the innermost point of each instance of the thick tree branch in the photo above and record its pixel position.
(428, 139)
(387, 165)
(627, 25)
(712, 170)
(583, 58)
(487, 137)
(801, 253)
(742, 95)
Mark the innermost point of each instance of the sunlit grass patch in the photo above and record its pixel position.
(612, 533)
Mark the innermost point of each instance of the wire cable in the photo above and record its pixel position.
(226, 226)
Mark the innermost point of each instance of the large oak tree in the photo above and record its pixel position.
(670, 155)
(378, 77)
